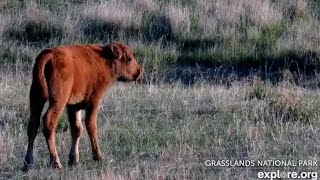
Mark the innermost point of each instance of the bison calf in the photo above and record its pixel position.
(76, 77)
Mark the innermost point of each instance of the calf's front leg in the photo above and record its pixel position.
(92, 129)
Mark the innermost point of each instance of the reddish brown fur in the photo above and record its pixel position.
(75, 76)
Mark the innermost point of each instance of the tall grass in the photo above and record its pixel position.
(223, 31)
(168, 130)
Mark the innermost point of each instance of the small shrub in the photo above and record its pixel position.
(288, 105)
(259, 89)
(287, 77)
(195, 26)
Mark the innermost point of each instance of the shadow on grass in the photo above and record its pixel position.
(35, 32)
(189, 69)
(194, 44)
(103, 31)
(153, 28)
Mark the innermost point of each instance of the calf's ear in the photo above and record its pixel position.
(112, 51)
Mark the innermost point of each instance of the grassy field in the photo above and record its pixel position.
(232, 80)
(169, 131)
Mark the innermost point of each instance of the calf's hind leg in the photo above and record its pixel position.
(76, 128)
(51, 119)
(36, 105)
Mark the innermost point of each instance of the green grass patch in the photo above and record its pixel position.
(269, 36)
(155, 59)
(63, 123)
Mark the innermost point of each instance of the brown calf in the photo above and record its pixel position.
(76, 77)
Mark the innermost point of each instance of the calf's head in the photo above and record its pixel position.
(125, 66)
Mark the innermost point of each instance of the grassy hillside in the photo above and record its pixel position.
(162, 130)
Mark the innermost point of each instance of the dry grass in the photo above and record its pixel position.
(301, 35)
(159, 130)
(168, 131)
(179, 19)
(225, 17)
(118, 12)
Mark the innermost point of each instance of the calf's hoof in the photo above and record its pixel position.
(73, 160)
(56, 165)
(28, 160)
(97, 157)
(27, 166)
